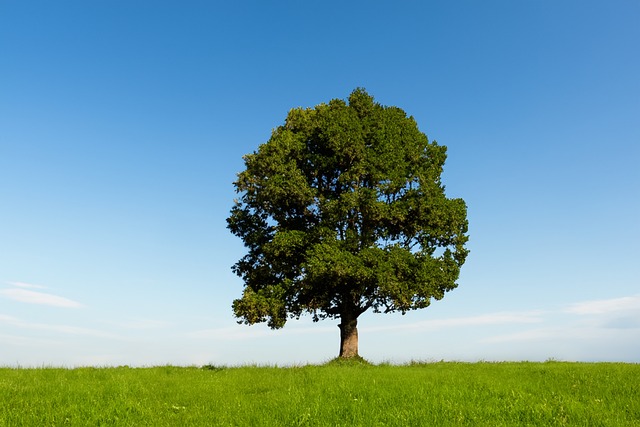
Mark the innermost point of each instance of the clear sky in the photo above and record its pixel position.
(123, 125)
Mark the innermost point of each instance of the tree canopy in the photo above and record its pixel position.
(342, 211)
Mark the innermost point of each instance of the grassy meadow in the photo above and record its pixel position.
(335, 394)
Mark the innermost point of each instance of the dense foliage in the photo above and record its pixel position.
(343, 210)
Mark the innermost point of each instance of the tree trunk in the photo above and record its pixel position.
(348, 336)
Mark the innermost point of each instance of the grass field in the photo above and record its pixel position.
(430, 394)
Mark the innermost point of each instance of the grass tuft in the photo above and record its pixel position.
(212, 367)
(351, 361)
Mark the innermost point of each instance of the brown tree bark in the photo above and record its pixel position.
(348, 336)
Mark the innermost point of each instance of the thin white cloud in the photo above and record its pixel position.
(488, 319)
(531, 317)
(598, 320)
(570, 333)
(606, 306)
(7, 319)
(481, 320)
(63, 329)
(12, 340)
(41, 298)
(26, 285)
(538, 334)
(243, 332)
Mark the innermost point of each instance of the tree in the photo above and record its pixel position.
(342, 211)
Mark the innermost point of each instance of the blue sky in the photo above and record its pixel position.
(123, 125)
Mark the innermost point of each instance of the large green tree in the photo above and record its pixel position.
(342, 211)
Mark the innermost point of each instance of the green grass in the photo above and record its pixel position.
(356, 394)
